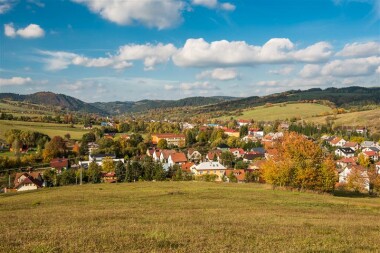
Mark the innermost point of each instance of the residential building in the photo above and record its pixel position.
(344, 175)
(237, 152)
(178, 140)
(232, 132)
(60, 164)
(193, 155)
(28, 181)
(239, 174)
(337, 142)
(177, 158)
(210, 168)
(345, 152)
(349, 144)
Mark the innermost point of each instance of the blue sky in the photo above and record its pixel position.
(108, 50)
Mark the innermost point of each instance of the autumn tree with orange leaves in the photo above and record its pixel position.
(299, 163)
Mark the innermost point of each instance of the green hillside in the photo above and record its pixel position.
(281, 112)
(186, 217)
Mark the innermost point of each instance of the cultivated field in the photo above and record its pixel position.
(282, 111)
(50, 129)
(370, 119)
(186, 217)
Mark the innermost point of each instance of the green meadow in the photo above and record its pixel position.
(51, 129)
(186, 217)
(282, 112)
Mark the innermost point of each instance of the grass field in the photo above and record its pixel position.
(186, 217)
(25, 109)
(50, 129)
(370, 118)
(300, 110)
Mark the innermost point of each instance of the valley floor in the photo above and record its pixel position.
(186, 217)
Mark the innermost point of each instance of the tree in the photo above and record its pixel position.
(299, 163)
(363, 160)
(162, 144)
(108, 165)
(243, 131)
(227, 158)
(67, 136)
(50, 178)
(357, 180)
(120, 171)
(94, 172)
(67, 177)
(54, 148)
(232, 178)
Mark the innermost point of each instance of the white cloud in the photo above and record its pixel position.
(32, 31)
(170, 87)
(310, 70)
(151, 55)
(151, 13)
(198, 86)
(199, 53)
(6, 5)
(220, 74)
(227, 7)
(214, 4)
(15, 81)
(351, 67)
(356, 49)
(282, 71)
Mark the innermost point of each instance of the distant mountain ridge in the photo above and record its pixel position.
(342, 97)
(53, 99)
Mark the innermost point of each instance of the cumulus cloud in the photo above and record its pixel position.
(150, 13)
(198, 86)
(351, 67)
(220, 74)
(6, 5)
(199, 53)
(282, 71)
(356, 49)
(310, 70)
(214, 4)
(32, 31)
(15, 81)
(151, 55)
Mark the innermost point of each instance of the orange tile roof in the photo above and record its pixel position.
(178, 157)
(239, 174)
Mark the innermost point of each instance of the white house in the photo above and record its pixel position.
(354, 145)
(98, 159)
(345, 152)
(193, 155)
(177, 158)
(337, 142)
(344, 175)
(28, 181)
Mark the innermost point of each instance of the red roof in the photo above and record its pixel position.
(59, 163)
(239, 174)
(30, 178)
(186, 166)
(213, 153)
(178, 157)
(167, 152)
(243, 121)
(241, 151)
(163, 136)
(370, 153)
(351, 160)
(228, 130)
(335, 140)
(350, 144)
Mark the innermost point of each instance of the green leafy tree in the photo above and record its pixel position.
(108, 165)
(162, 144)
(232, 178)
(94, 173)
(120, 171)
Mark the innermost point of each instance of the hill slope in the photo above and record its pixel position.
(52, 99)
(186, 217)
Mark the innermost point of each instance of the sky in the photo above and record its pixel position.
(129, 50)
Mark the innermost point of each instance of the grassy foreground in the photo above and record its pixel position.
(186, 217)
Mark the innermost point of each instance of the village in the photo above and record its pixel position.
(216, 152)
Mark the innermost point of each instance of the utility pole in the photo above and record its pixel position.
(80, 181)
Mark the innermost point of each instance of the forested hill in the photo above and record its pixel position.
(341, 97)
(145, 105)
(57, 100)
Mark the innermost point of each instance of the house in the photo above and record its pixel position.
(250, 156)
(239, 174)
(92, 146)
(344, 175)
(367, 144)
(109, 177)
(237, 152)
(177, 158)
(186, 167)
(223, 147)
(28, 181)
(345, 161)
(232, 132)
(210, 168)
(125, 137)
(361, 130)
(98, 158)
(87, 126)
(337, 142)
(256, 132)
(243, 122)
(60, 164)
(178, 140)
(284, 127)
(187, 126)
(349, 144)
(345, 152)
(258, 150)
(193, 155)
(271, 153)
(156, 155)
(372, 155)
(214, 155)
(376, 149)
(249, 137)
(165, 153)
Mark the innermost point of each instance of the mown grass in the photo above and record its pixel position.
(51, 129)
(282, 111)
(370, 119)
(186, 217)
